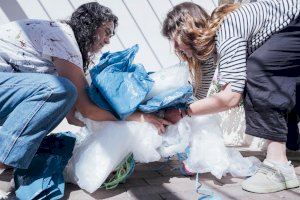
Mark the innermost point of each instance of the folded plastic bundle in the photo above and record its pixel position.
(121, 87)
(105, 145)
(167, 79)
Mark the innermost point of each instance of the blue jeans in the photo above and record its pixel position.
(31, 106)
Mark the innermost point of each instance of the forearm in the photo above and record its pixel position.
(208, 105)
(219, 102)
(136, 116)
(95, 113)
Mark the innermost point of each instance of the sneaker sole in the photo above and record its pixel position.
(292, 184)
(287, 185)
(262, 190)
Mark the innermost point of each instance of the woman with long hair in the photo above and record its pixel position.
(255, 48)
(42, 79)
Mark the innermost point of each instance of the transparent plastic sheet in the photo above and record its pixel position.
(168, 79)
(207, 149)
(176, 138)
(102, 147)
(242, 166)
(208, 152)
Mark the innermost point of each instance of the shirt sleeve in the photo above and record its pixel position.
(61, 45)
(232, 63)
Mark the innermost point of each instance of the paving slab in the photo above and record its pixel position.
(148, 183)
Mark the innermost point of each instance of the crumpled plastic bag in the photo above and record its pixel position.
(167, 79)
(242, 166)
(208, 152)
(207, 149)
(176, 138)
(103, 145)
(121, 85)
(168, 99)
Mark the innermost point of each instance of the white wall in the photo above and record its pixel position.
(139, 23)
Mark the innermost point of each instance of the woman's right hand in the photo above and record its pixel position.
(159, 123)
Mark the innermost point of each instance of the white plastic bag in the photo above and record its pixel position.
(208, 152)
(176, 138)
(145, 142)
(168, 78)
(207, 149)
(105, 145)
(242, 166)
(99, 154)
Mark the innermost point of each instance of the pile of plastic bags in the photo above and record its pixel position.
(208, 152)
(101, 146)
(105, 145)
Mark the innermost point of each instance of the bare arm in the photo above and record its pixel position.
(221, 101)
(83, 103)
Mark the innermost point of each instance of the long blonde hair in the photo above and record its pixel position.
(190, 24)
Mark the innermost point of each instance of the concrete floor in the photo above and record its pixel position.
(148, 184)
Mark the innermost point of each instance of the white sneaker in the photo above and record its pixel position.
(272, 177)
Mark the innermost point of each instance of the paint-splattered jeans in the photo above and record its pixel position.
(31, 106)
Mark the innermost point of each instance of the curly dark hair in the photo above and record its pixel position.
(85, 20)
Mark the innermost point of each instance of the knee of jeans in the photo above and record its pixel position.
(64, 90)
(70, 91)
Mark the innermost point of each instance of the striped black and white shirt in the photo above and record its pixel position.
(208, 68)
(246, 29)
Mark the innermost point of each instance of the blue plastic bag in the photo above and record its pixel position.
(122, 85)
(44, 177)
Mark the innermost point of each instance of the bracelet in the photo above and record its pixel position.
(187, 110)
(181, 113)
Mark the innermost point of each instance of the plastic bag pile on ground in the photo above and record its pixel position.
(106, 144)
(101, 146)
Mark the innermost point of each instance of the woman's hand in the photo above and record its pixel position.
(72, 119)
(173, 115)
(159, 123)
